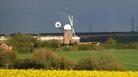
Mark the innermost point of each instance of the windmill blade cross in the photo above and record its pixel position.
(71, 22)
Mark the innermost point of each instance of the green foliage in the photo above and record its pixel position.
(89, 47)
(52, 44)
(51, 60)
(88, 63)
(22, 43)
(66, 63)
(108, 62)
(69, 48)
(7, 58)
(110, 43)
(38, 44)
(123, 56)
(105, 62)
(84, 47)
(45, 57)
(133, 45)
(97, 47)
(26, 64)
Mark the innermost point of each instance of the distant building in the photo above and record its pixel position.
(73, 40)
(6, 47)
(2, 38)
(47, 38)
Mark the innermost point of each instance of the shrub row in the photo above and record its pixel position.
(108, 44)
(51, 60)
(45, 59)
(26, 43)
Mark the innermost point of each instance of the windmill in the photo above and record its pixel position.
(69, 32)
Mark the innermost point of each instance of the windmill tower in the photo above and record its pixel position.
(69, 33)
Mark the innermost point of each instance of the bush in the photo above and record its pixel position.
(69, 48)
(7, 58)
(110, 43)
(133, 45)
(44, 56)
(89, 63)
(108, 62)
(97, 47)
(26, 64)
(105, 62)
(66, 63)
(90, 47)
(52, 44)
(51, 61)
(84, 47)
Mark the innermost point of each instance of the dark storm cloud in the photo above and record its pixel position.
(34, 16)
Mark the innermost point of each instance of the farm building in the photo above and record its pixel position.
(2, 38)
(73, 40)
(6, 47)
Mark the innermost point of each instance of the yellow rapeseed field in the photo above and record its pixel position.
(63, 73)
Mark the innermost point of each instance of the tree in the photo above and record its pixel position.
(111, 43)
(7, 58)
(22, 43)
(45, 57)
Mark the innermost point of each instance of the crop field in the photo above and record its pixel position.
(63, 73)
(127, 57)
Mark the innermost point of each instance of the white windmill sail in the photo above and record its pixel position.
(71, 22)
(58, 25)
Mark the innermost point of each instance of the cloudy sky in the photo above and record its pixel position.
(39, 16)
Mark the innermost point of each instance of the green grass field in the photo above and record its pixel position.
(128, 57)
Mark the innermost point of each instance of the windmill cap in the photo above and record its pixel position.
(67, 27)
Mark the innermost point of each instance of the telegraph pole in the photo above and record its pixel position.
(0, 28)
(90, 28)
(137, 28)
(132, 24)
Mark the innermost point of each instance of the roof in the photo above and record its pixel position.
(67, 27)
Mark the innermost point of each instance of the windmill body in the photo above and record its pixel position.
(67, 34)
